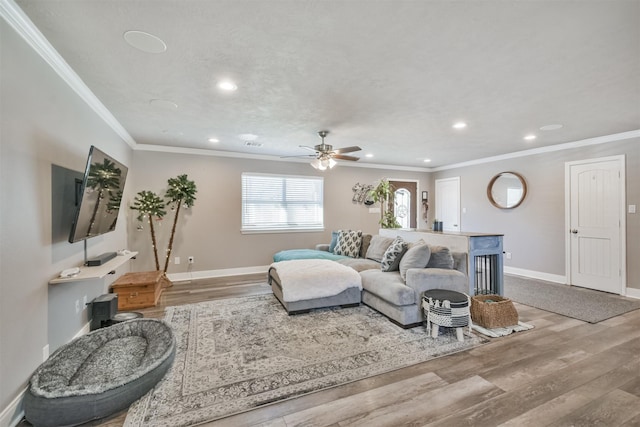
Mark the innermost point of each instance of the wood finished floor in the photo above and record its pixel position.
(564, 372)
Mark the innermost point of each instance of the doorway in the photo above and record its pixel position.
(596, 247)
(448, 203)
(405, 202)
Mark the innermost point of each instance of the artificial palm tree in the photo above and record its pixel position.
(103, 178)
(150, 205)
(181, 192)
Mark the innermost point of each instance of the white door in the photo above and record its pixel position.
(596, 203)
(448, 203)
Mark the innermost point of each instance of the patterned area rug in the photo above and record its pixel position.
(237, 354)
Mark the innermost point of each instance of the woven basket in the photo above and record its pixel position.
(498, 313)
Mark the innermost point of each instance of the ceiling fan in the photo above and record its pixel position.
(325, 154)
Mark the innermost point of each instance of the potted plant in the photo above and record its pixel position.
(384, 194)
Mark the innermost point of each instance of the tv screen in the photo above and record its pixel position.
(98, 196)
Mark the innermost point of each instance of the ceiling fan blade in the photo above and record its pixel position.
(342, 157)
(298, 155)
(347, 149)
(307, 147)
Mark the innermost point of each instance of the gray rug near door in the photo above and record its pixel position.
(237, 354)
(571, 301)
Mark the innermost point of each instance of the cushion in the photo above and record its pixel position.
(100, 373)
(334, 241)
(388, 286)
(359, 264)
(393, 255)
(378, 246)
(366, 241)
(348, 243)
(440, 258)
(417, 256)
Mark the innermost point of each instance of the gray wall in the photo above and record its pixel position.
(43, 123)
(210, 231)
(535, 231)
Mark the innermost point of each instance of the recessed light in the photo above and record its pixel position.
(369, 155)
(144, 41)
(426, 160)
(227, 85)
(214, 140)
(551, 127)
(530, 137)
(163, 103)
(459, 125)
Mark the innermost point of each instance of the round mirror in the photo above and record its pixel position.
(507, 190)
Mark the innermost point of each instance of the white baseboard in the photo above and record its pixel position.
(12, 414)
(556, 278)
(85, 330)
(633, 292)
(226, 272)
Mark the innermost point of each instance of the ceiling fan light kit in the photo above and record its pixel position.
(325, 154)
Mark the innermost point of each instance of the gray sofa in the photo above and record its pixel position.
(400, 298)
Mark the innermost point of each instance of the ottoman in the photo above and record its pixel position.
(305, 284)
(446, 308)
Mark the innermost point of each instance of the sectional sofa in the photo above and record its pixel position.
(394, 273)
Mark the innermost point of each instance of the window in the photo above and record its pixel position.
(281, 203)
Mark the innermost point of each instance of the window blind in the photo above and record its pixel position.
(281, 202)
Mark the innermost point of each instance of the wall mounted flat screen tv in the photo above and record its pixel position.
(98, 196)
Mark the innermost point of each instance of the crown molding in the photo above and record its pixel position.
(237, 155)
(548, 149)
(21, 23)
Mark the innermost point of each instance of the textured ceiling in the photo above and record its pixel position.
(389, 76)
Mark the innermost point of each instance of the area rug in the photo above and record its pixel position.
(237, 354)
(501, 332)
(571, 301)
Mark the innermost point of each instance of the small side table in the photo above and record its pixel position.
(446, 308)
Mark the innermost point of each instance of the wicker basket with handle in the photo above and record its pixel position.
(493, 311)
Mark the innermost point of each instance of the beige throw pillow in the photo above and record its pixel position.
(378, 246)
(417, 256)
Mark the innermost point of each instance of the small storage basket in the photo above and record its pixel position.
(493, 311)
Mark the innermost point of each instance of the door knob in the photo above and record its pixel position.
(574, 231)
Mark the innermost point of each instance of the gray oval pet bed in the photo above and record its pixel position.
(99, 373)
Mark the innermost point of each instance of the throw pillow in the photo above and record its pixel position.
(378, 246)
(440, 258)
(393, 255)
(334, 241)
(366, 241)
(348, 243)
(417, 256)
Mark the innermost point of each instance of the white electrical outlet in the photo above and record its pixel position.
(45, 353)
(632, 208)
(191, 260)
(508, 255)
(176, 260)
(77, 306)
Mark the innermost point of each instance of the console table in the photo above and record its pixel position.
(485, 264)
